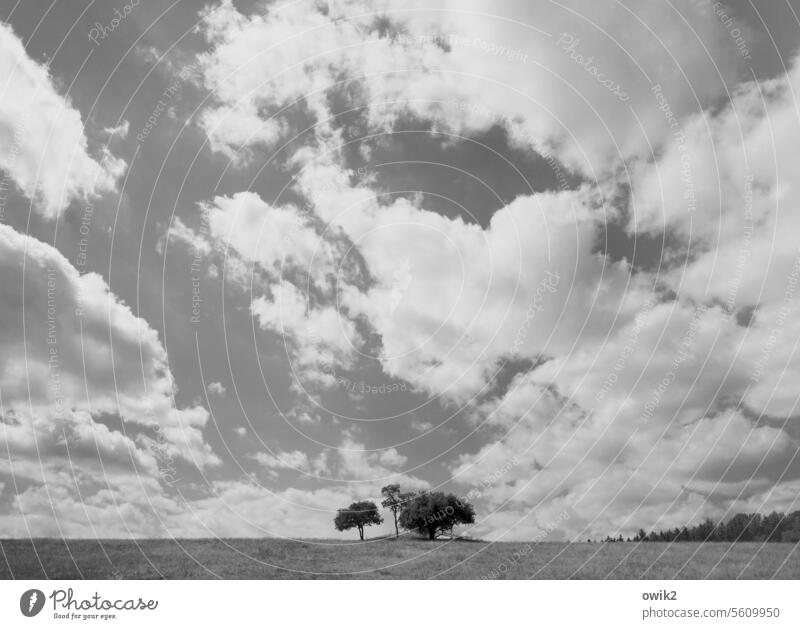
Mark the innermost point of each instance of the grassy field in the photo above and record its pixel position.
(391, 559)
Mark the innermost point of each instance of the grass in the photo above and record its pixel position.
(390, 559)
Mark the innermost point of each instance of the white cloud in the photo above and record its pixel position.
(350, 461)
(294, 53)
(320, 338)
(649, 435)
(738, 167)
(275, 238)
(120, 131)
(61, 376)
(44, 147)
(232, 129)
(294, 460)
(239, 509)
(471, 310)
(451, 300)
(525, 286)
(217, 388)
(392, 458)
(88, 413)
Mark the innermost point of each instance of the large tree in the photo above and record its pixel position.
(357, 515)
(436, 513)
(395, 500)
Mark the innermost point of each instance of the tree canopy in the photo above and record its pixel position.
(742, 527)
(357, 515)
(436, 513)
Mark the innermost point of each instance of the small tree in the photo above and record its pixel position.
(395, 500)
(357, 515)
(436, 513)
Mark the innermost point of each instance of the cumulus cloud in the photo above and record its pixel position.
(655, 436)
(455, 66)
(430, 68)
(83, 360)
(273, 238)
(120, 131)
(642, 398)
(217, 388)
(318, 338)
(523, 287)
(350, 461)
(72, 322)
(295, 460)
(726, 185)
(241, 509)
(43, 143)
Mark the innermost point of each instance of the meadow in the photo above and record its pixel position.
(405, 558)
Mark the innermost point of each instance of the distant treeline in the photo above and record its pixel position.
(743, 527)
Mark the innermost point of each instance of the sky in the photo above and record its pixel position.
(260, 259)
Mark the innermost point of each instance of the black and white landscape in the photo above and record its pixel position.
(400, 289)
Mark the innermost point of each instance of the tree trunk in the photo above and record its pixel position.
(431, 532)
(361, 532)
(396, 530)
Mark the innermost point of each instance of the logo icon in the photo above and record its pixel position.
(31, 602)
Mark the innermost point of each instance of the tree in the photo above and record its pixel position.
(742, 527)
(395, 500)
(436, 513)
(772, 526)
(357, 515)
(738, 528)
(791, 526)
